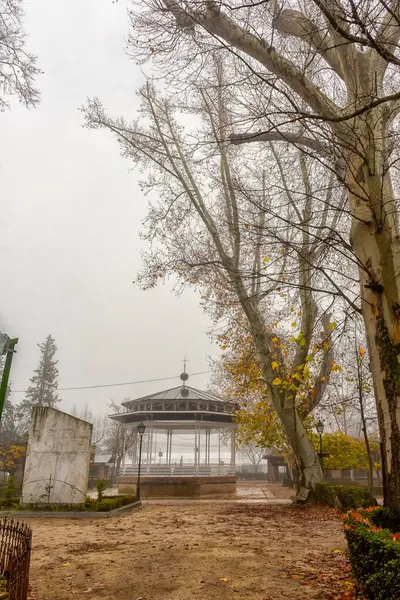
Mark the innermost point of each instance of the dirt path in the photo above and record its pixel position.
(198, 551)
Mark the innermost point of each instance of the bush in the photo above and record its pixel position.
(9, 499)
(387, 518)
(354, 496)
(109, 503)
(344, 497)
(325, 494)
(101, 486)
(4, 595)
(374, 552)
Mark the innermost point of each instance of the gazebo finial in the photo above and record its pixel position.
(184, 377)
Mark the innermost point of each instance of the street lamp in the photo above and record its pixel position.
(141, 430)
(320, 429)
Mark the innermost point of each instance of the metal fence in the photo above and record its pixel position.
(179, 470)
(15, 555)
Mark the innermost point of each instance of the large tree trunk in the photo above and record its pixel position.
(375, 240)
(306, 455)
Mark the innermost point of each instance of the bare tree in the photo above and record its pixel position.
(118, 440)
(217, 228)
(254, 453)
(326, 76)
(18, 69)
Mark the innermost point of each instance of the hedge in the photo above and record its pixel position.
(344, 497)
(374, 551)
(109, 503)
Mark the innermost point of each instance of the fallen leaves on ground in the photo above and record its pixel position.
(194, 550)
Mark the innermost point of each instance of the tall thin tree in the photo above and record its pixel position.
(44, 382)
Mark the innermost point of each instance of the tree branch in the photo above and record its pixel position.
(219, 24)
(280, 136)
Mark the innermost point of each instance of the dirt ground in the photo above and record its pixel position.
(183, 551)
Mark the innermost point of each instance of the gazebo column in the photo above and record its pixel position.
(124, 428)
(208, 444)
(199, 446)
(233, 447)
(151, 446)
(219, 451)
(196, 447)
(170, 448)
(134, 447)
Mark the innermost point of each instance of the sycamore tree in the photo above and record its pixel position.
(18, 69)
(44, 382)
(323, 75)
(118, 440)
(218, 220)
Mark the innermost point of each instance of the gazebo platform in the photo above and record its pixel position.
(167, 487)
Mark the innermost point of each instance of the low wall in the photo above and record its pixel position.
(167, 487)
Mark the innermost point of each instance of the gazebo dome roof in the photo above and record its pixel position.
(173, 399)
(182, 403)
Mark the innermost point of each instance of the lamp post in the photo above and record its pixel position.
(141, 430)
(320, 429)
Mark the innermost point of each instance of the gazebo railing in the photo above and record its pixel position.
(15, 555)
(178, 470)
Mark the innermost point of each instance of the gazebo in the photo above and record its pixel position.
(208, 423)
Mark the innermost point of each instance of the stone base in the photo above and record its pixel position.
(171, 487)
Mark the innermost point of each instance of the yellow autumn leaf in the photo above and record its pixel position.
(294, 324)
(266, 259)
(65, 564)
(338, 551)
(277, 381)
(274, 365)
(274, 340)
(223, 579)
(297, 577)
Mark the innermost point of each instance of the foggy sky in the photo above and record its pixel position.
(70, 214)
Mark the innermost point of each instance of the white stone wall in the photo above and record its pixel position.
(58, 458)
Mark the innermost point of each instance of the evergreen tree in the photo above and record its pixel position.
(44, 382)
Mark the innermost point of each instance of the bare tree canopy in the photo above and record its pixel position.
(323, 75)
(18, 68)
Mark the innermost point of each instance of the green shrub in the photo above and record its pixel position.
(9, 499)
(387, 518)
(354, 496)
(374, 553)
(325, 494)
(101, 486)
(344, 497)
(4, 595)
(109, 503)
